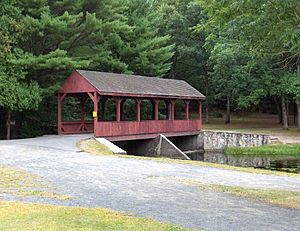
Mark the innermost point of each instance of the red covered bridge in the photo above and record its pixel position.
(101, 86)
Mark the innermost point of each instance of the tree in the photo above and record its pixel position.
(229, 73)
(292, 80)
(148, 52)
(268, 29)
(16, 94)
(189, 62)
(56, 37)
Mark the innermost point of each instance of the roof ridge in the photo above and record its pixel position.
(131, 75)
(108, 82)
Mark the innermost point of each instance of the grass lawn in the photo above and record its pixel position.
(21, 183)
(255, 123)
(283, 198)
(277, 150)
(95, 148)
(27, 216)
(289, 199)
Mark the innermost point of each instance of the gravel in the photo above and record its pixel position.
(149, 188)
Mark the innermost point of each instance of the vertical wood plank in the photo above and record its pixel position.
(138, 109)
(172, 109)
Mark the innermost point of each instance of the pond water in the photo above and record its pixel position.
(279, 163)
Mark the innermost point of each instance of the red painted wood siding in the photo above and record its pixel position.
(75, 127)
(76, 84)
(125, 128)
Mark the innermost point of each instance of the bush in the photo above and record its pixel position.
(216, 114)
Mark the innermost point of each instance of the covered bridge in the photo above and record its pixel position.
(101, 86)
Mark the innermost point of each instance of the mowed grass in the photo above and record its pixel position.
(94, 147)
(283, 198)
(26, 216)
(255, 123)
(289, 199)
(276, 150)
(21, 183)
(97, 149)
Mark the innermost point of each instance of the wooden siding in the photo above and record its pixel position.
(76, 84)
(74, 127)
(125, 128)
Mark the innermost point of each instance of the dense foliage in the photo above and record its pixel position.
(239, 53)
(254, 50)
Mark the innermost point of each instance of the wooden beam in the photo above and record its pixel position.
(118, 109)
(96, 100)
(62, 97)
(91, 95)
(155, 109)
(172, 109)
(138, 109)
(186, 109)
(200, 110)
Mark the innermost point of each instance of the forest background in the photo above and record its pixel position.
(243, 55)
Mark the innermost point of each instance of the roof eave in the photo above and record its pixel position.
(141, 95)
(150, 95)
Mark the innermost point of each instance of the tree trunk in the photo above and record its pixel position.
(173, 68)
(298, 112)
(284, 113)
(279, 111)
(294, 111)
(298, 100)
(206, 101)
(8, 123)
(227, 120)
(288, 112)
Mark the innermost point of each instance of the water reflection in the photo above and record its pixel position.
(279, 163)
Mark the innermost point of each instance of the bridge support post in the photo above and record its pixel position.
(186, 109)
(200, 114)
(95, 98)
(155, 111)
(172, 109)
(138, 109)
(118, 109)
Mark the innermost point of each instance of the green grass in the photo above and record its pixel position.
(94, 147)
(94, 150)
(254, 123)
(277, 150)
(284, 198)
(21, 183)
(25, 216)
(289, 199)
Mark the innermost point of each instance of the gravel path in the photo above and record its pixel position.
(149, 188)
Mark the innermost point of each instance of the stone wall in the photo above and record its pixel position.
(218, 140)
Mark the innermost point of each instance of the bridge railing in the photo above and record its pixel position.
(73, 127)
(127, 128)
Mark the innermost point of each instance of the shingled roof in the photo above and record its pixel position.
(139, 85)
